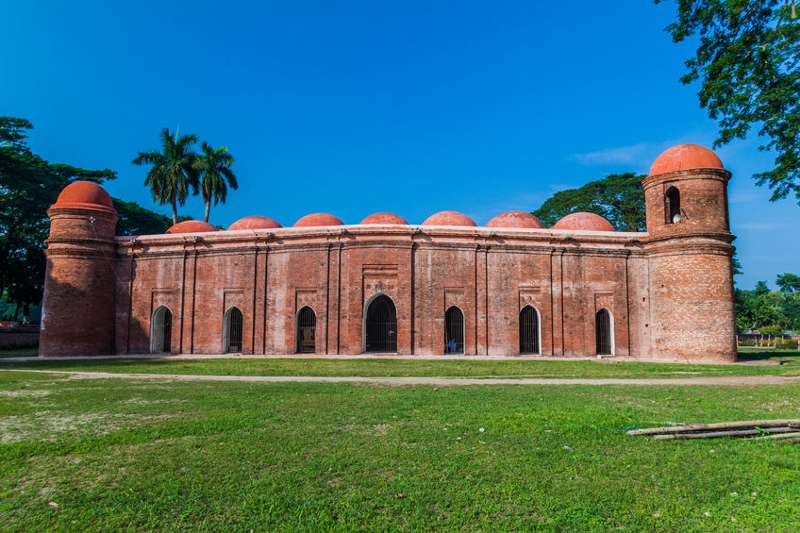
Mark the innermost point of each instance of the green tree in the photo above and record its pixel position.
(761, 288)
(29, 185)
(136, 220)
(173, 173)
(618, 198)
(747, 64)
(216, 175)
(788, 283)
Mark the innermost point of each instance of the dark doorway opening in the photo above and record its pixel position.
(161, 331)
(604, 333)
(306, 331)
(529, 331)
(233, 330)
(453, 330)
(380, 328)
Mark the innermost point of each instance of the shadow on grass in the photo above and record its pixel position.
(782, 356)
(19, 352)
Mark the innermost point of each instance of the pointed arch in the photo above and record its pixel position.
(233, 321)
(306, 331)
(380, 325)
(453, 330)
(604, 332)
(161, 330)
(530, 328)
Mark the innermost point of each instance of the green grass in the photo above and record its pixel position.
(102, 455)
(398, 367)
(19, 352)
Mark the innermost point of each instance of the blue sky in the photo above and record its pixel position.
(355, 107)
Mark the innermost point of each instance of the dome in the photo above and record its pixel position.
(515, 219)
(254, 222)
(318, 219)
(85, 195)
(583, 221)
(191, 226)
(449, 218)
(685, 157)
(384, 218)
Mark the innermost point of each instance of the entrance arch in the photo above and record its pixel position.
(380, 325)
(604, 332)
(306, 331)
(232, 332)
(161, 330)
(529, 328)
(453, 330)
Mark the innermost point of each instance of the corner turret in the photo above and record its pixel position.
(79, 288)
(690, 254)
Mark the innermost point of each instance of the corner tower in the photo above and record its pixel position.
(690, 257)
(79, 289)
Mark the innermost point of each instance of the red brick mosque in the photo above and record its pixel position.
(384, 286)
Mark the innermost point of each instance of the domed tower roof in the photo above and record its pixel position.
(191, 226)
(254, 222)
(84, 195)
(318, 219)
(449, 218)
(685, 157)
(515, 219)
(384, 218)
(583, 221)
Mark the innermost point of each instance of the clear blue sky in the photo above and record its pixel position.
(355, 107)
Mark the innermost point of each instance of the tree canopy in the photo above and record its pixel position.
(761, 308)
(29, 185)
(173, 173)
(216, 175)
(619, 198)
(748, 65)
(136, 220)
(176, 170)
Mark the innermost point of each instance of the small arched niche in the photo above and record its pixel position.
(673, 206)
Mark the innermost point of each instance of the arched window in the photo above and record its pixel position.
(306, 331)
(604, 329)
(380, 325)
(453, 330)
(232, 332)
(673, 206)
(161, 331)
(529, 331)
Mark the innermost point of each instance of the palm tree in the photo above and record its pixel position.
(214, 167)
(173, 173)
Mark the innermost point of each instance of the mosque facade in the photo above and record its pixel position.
(384, 286)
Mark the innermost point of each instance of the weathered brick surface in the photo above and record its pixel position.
(669, 290)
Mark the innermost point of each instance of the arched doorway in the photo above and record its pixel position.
(306, 331)
(232, 334)
(161, 331)
(380, 325)
(604, 329)
(529, 331)
(453, 330)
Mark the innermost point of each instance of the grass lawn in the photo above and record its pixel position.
(142, 455)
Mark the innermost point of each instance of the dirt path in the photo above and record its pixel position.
(730, 381)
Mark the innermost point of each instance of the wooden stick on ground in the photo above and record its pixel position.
(682, 428)
(716, 434)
